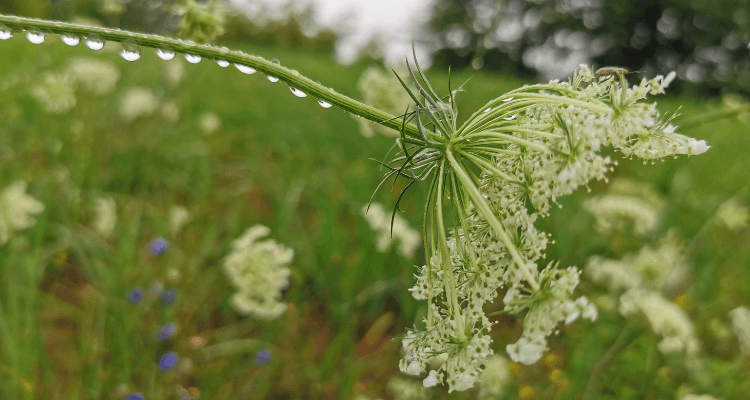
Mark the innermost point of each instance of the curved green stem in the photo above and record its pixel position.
(291, 77)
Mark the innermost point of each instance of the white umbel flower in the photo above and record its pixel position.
(613, 213)
(494, 380)
(16, 210)
(93, 75)
(499, 172)
(741, 324)
(381, 89)
(138, 102)
(666, 319)
(56, 92)
(209, 123)
(178, 217)
(258, 270)
(105, 219)
(659, 268)
(380, 221)
(733, 215)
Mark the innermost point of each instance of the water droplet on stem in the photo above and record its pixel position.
(5, 34)
(36, 37)
(165, 54)
(94, 43)
(223, 63)
(298, 92)
(273, 78)
(193, 58)
(71, 40)
(245, 69)
(130, 51)
(324, 104)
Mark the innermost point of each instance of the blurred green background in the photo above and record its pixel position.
(67, 332)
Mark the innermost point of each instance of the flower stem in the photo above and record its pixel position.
(291, 77)
(449, 280)
(484, 209)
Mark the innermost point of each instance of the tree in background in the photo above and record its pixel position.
(705, 42)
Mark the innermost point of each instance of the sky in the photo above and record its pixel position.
(397, 22)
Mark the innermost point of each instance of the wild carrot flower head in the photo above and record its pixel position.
(258, 270)
(666, 319)
(660, 267)
(16, 210)
(627, 204)
(389, 227)
(498, 172)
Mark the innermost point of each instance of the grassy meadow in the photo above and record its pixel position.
(68, 332)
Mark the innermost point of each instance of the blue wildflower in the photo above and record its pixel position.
(262, 357)
(135, 396)
(166, 331)
(168, 296)
(135, 295)
(168, 361)
(158, 246)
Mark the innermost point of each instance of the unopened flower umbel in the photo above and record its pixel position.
(498, 173)
(258, 270)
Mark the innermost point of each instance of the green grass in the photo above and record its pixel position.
(302, 170)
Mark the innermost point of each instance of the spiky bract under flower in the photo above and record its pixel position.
(498, 172)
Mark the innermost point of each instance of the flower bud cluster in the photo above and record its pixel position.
(258, 270)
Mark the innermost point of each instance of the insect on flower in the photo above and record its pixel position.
(608, 71)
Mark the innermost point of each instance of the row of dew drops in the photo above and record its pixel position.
(131, 52)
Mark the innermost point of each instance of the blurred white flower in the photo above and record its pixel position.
(380, 221)
(178, 217)
(407, 389)
(258, 270)
(56, 92)
(137, 102)
(112, 7)
(660, 268)
(105, 219)
(733, 215)
(494, 380)
(209, 123)
(174, 72)
(381, 89)
(666, 319)
(627, 203)
(16, 210)
(698, 397)
(170, 110)
(741, 324)
(94, 75)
